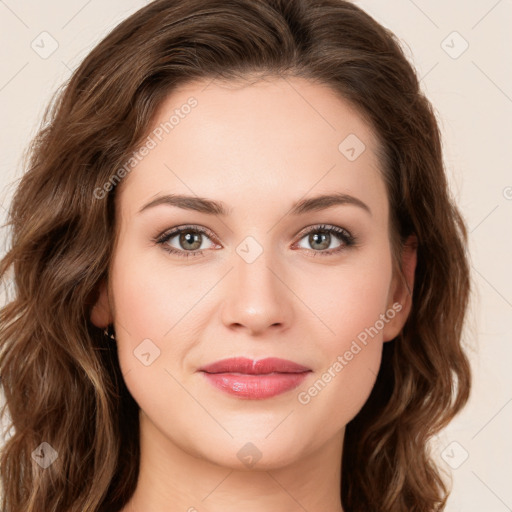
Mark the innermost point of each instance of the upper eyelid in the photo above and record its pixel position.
(320, 226)
(190, 227)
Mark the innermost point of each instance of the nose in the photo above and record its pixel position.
(257, 296)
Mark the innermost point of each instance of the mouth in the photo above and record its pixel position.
(249, 379)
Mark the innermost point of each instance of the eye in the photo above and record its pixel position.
(188, 241)
(184, 241)
(321, 237)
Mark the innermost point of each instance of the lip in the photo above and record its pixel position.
(249, 379)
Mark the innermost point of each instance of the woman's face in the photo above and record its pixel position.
(269, 281)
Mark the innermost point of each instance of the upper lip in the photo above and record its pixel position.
(252, 367)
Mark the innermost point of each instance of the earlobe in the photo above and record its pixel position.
(401, 291)
(101, 315)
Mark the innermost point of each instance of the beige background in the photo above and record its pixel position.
(472, 93)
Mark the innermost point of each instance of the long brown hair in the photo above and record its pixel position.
(61, 377)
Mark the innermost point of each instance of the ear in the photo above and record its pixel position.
(101, 315)
(400, 293)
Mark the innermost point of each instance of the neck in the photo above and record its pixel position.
(174, 480)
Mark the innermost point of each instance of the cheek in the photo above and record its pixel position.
(151, 300)
(349, 299)
(352, 303)
(351, 359)
(152, 308)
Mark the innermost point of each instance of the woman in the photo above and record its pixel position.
(304, 349)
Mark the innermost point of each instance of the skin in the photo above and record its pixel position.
(258, 148)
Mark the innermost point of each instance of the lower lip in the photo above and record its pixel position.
(255, 386)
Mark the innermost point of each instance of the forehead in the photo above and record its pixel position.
(282, 136)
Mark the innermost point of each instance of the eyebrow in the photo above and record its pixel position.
(211, 207)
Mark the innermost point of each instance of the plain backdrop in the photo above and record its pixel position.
(459, 49)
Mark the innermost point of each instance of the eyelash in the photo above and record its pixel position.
(347, 239)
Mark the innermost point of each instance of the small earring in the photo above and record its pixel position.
(109, 332)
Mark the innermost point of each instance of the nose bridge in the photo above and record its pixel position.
(254, 271)
(256, 296)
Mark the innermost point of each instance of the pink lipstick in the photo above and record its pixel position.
(249, 379)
